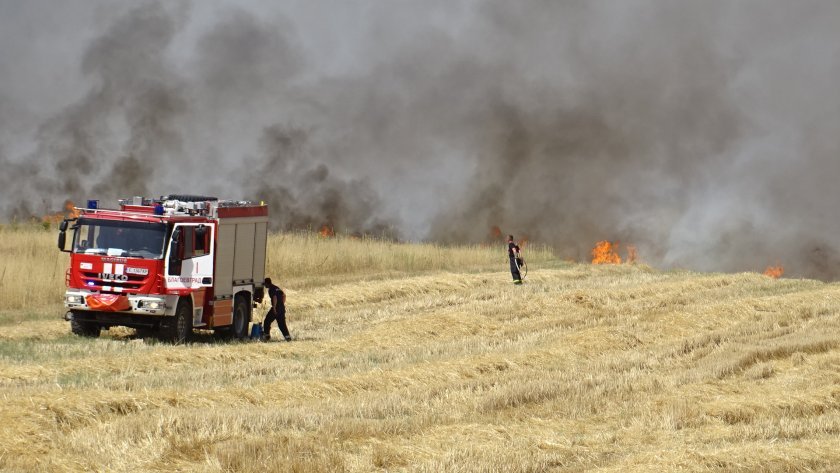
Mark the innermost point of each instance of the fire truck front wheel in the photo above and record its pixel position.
(178, 329)
(85, 329)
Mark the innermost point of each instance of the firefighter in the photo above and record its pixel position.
(277, 311)
(515, 260)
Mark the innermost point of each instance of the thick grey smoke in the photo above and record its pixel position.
(704, 133)
(302, 193)
(120, 130)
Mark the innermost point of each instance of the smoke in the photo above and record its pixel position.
(703, 133)
(112, 140)
(302, 193)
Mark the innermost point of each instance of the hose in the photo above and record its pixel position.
(522, 266)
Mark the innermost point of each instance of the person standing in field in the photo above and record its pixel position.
(277, 311)
(514, 257)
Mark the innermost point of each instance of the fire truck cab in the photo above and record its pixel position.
(170, 265)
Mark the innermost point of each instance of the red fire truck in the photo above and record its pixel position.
(170, 265)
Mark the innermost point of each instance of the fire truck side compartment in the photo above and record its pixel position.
(223, 277)
(260, 241)
(243, 267)
(240, 257)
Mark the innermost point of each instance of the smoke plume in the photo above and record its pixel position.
(703, 133)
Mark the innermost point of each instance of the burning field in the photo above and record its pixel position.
(425, 358)
(685, 128)
(678, 159)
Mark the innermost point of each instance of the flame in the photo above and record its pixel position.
(72, 211)
(69, 211)
(774, 272)
(605, 253)
(632, 255)
(495, 232)
(326, 231)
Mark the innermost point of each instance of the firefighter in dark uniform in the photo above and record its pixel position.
(277, 312)
(515, 260)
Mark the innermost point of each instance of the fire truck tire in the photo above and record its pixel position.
(85, 329)
(241, 317)
(179, 329)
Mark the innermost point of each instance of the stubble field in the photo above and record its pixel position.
(424, 358)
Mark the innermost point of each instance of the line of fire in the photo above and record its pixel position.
(182, 262)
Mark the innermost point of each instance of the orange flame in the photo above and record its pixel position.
(774, 272)
(632, 254)
(495, 232)
(605, 253)
(69, 211)
(326, 231)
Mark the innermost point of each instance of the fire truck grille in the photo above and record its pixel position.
(130, 284)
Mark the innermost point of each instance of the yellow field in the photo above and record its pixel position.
(423, 358)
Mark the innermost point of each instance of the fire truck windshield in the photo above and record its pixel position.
(119, 238)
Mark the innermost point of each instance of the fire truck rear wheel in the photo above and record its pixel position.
(179, 329)
(241, 317)
(85, 329)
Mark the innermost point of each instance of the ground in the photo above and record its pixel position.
(596, 368)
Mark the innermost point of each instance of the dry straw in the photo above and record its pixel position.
(422, 358)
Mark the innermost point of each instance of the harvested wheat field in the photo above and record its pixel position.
(424, 358)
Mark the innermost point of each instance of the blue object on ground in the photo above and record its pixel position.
(256, 331)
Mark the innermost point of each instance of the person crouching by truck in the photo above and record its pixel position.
(515, 261)
(277, 311)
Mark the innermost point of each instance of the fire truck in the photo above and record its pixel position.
(169, 265)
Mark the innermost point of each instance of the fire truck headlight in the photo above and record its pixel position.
(74, 299)
(154, 305)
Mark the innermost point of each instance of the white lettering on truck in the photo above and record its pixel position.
(115, 277)
(183, 280)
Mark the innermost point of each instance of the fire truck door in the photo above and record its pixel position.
(189, 257)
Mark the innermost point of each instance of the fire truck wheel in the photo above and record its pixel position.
(178, 329)
(241, 316)
(85, 329)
